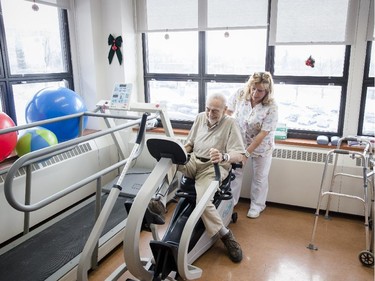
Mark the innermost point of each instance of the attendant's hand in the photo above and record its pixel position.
(215, 155)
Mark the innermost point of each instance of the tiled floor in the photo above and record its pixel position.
(274, 248)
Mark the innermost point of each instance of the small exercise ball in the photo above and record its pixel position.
(8, 141)
(55, 102)
(35, 139)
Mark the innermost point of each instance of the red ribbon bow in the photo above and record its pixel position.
(310, 62)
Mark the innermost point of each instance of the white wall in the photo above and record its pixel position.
(91, 22)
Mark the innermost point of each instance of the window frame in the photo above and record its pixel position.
(367, 82)
(321, 80)
(202, 78)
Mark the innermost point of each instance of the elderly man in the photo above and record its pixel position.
(214, 138)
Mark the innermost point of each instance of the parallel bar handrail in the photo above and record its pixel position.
(39, 155)
(42, 122)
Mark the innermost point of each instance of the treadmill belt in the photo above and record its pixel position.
(46, 252)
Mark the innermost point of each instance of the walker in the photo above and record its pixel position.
(366, 159)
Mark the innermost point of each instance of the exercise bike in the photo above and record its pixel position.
(185, 239)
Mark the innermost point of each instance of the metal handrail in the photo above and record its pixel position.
(62, 118)
(43, 122)
(44, 153)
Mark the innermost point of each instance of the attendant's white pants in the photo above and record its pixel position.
(259, 171)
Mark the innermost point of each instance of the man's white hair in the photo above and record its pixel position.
(217, 96)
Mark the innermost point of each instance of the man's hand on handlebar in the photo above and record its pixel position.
(215, 155)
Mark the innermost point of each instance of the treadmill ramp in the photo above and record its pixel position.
(43, 254)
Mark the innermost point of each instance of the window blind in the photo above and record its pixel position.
(63, 4)
(236, 13)
(313, 21)
(179, 15)
(371, 29)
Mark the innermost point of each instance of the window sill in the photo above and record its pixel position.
(289, 141)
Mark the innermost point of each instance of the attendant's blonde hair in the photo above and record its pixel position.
(264, 79)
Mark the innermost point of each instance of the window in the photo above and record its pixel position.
(180, 72)
(34, 56)
(227, 53)
(310, 98)
(329, 60)
(309, 108)
(173, 53)
(179, 97)
(367, 115)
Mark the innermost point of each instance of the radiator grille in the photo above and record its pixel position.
(300, 155)
(310, 156)
(78, 150)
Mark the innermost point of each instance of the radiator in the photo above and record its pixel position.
(296, 175)
(51, 176)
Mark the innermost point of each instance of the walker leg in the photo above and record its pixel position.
(326, 216)
(367, 229)
(311, 245)
(328, 206)
(366, 257)
(333, 177)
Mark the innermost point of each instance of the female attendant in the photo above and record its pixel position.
(256, 111)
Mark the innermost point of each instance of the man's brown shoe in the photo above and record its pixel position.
(234, 249)
(157, 209)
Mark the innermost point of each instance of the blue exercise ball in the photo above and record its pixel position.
(52, 102)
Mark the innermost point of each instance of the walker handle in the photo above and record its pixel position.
(341, 151)
(351, 139)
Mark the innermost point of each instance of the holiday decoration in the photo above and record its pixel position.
(310, 62)
(115, 44)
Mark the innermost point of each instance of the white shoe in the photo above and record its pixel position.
(253, 214)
